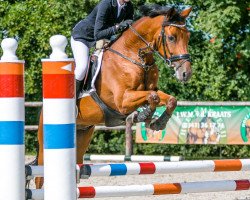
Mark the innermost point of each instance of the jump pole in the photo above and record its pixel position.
(12, 161)
(163, 189)
(116, 169)
(132, 158)
(59, 123)
(155, 189)
(122, 169)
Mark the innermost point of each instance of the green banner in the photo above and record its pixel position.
(201, 125)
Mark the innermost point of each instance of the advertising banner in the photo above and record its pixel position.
(200, 125)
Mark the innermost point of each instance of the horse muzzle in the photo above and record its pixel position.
(183, 70)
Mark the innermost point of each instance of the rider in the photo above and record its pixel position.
(108, 18)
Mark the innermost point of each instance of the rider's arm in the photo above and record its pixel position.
(101, 30)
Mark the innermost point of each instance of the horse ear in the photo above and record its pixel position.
(186, 12)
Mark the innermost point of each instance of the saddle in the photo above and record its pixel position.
(93, 67)
(112, 117)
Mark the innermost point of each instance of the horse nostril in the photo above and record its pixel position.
(184, 74)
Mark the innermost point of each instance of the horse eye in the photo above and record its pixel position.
(171, 38)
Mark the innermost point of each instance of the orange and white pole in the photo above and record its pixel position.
(163, 189)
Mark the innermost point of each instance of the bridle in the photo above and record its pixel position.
(172, 58)
(162, 37)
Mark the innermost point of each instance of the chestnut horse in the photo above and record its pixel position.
(128, 77)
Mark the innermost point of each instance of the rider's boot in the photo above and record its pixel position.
(78, 88)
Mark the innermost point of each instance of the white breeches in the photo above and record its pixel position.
(81, 56)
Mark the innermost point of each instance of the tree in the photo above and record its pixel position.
(32, 23)
(219, 47)
(219, 43)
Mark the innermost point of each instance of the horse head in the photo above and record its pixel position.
(166, 30)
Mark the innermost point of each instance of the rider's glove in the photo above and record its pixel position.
(123, 25)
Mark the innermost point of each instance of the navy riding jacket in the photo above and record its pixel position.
(100, 23)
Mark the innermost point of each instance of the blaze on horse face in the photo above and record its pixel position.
(176, 45)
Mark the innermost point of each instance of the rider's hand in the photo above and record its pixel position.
(124, 25)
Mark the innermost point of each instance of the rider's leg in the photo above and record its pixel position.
(81, 56)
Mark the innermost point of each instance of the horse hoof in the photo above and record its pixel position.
(157, 126)
(145, 114)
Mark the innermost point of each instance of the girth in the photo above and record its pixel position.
(111, 117)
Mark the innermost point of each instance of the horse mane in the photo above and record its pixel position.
(154, 10)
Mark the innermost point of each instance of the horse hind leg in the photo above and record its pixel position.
(84, 136)
(39, 180)
(83, 140)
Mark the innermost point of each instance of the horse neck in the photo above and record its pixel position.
(146, 27)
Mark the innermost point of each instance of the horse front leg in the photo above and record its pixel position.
(148, 110)
(170, 102)
(147, 100)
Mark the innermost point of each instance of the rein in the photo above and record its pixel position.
(144, 66)
(170, 60)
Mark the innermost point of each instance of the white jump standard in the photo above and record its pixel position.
(12, 117)
(59, 123)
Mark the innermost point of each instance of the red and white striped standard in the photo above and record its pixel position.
(12, 176)
(163, 189)
(59, 123)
